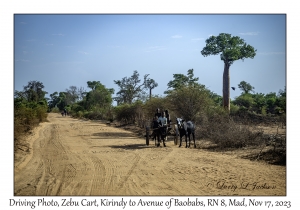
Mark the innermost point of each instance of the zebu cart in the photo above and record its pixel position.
(172, 130)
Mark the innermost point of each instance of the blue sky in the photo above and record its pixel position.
(68, 50)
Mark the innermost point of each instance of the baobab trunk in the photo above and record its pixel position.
(226, 89)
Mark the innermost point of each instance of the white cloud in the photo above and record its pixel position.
(249, 33)
(176, 36)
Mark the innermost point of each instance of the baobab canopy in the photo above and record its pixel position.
(232, 48)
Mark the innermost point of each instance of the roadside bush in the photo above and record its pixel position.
(96, 114)
(245, 100)
(130, 113)
(188, 102)
(79, 114)
(234, 108)
(77, 108)
(26, 117)
(41, 113)
(151, 106)
(264, 110)
(55, 110)
(222, 131)
(125, 113)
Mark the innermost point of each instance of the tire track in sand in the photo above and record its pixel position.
(133, 164)
(98, 179)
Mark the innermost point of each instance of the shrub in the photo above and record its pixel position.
(124, 113)
(188, 102)
(234, 109)
(221, 130)
(79, 114)
(245, 100)
(26, 117)
(264, 110)
(150, 106)
(55, 110)
(41, 113)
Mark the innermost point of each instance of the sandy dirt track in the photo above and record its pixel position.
(78, 157)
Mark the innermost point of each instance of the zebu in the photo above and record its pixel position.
(186, 129)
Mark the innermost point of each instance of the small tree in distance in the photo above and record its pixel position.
(150, 84)
(181, 80)
(246, 87)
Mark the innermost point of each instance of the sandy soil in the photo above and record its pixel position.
(78, 157)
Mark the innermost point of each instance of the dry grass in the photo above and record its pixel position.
(265, 142)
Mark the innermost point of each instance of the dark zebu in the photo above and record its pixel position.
(186, 129)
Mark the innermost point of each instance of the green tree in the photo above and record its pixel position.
(181, 80)
(32, 95)
(245, 87)
(99, 96)
(131, 88)
(62, 100)
(33, 91)
(259, 102)
(281, 100)
(93, 84)
(244, 100)
(30, 108)
(230, 48)
(271, 102)
(216, 98)
(53, 101)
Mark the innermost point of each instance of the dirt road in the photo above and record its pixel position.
(77, 157)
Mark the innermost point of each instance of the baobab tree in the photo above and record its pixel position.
(232, 48)
(150, 84)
